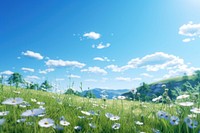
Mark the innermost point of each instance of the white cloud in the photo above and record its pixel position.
(101, 46)
(46, 70)
(92, 35)
(190, 29)
(27, 69)
(32, 77)
(94, 70)
(33, 55)
(152, 62)
(123, 79)
(146, 75)
(61, 63)
(7, 72)
(73, 76)
(127, 79)
(188, 40)
(101, 59)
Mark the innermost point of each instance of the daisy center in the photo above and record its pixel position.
(46, 123)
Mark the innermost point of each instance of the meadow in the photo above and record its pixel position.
(30, 111)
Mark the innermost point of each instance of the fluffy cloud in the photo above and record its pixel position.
(73, 76)
(94, 70)
(61, 63)
(91, 80)
(152, 62)
(101, 46)
(60, 79)
(101, 59)
(92, 35)
(146, 75)
(188, 40)
(190, 29)
(127, 79)
(33, 55)
(7, 72)
(27, 69)
(46, 71)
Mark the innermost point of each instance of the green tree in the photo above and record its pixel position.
(1, 82)
(15, 79)
(34, 86)
(197, 75)
(45, 86)
(185, 77)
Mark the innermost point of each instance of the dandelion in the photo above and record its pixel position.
(121, 97)
(13, 101)
(182, 96)
(195, 110)
(77, 128)
(174, 120)
(114, 118)
(2, 121)
(46, 122)
(92, 125)
(186, 104)
(139, 123)
(109, 115)
(34, 112)
(4, 113)
(64, 123)
(116, 126)
(85, 113)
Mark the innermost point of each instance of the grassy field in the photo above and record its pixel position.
(91, 115)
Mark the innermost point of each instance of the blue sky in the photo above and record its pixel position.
(107, 44)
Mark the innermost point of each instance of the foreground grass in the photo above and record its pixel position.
(71, 106)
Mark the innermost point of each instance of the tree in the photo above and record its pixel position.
(15, 79)
(45, 86)
(34, 86)
(185, 77)
(197, 75)
(1, 82)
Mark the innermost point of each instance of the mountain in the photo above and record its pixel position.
(110, 92)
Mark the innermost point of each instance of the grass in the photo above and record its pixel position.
(70, 107)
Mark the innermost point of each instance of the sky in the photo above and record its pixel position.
(113, 44)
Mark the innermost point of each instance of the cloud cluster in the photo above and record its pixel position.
(73, 76)
(33, 55)
(101, 46)
(190, 30)
(27, 69)
(152, 62)
(62, 63)
(127, 79)
(7, 72)
(94, 70)
(92, 35)
(46, 70)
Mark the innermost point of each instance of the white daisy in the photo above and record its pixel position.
(46, 122)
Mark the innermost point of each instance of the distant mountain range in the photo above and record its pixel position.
(109, 92)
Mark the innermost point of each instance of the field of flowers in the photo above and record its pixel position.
(32, 111)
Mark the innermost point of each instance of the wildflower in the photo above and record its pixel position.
(2, 121)
(109, 115)
(85, 113)
(192, 116)
(4, 113)
(64, 123)
(21, 120)
(182, 96)
(193, 124)
(13, 101)
(121, 97)
(195, 110)
(174, 120)
(155, 130)
(33, 100)
(34, 112)
(92, 112)
(139, 123)
(78, 128)
(157, 99)
(187, 120)
(114, 118)
(40, 103)
(187, 104)
(161, 114)
(46, 122)
(92, 125)
(62, 118)
(24, 104)
(58, 127)
(116, 126)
